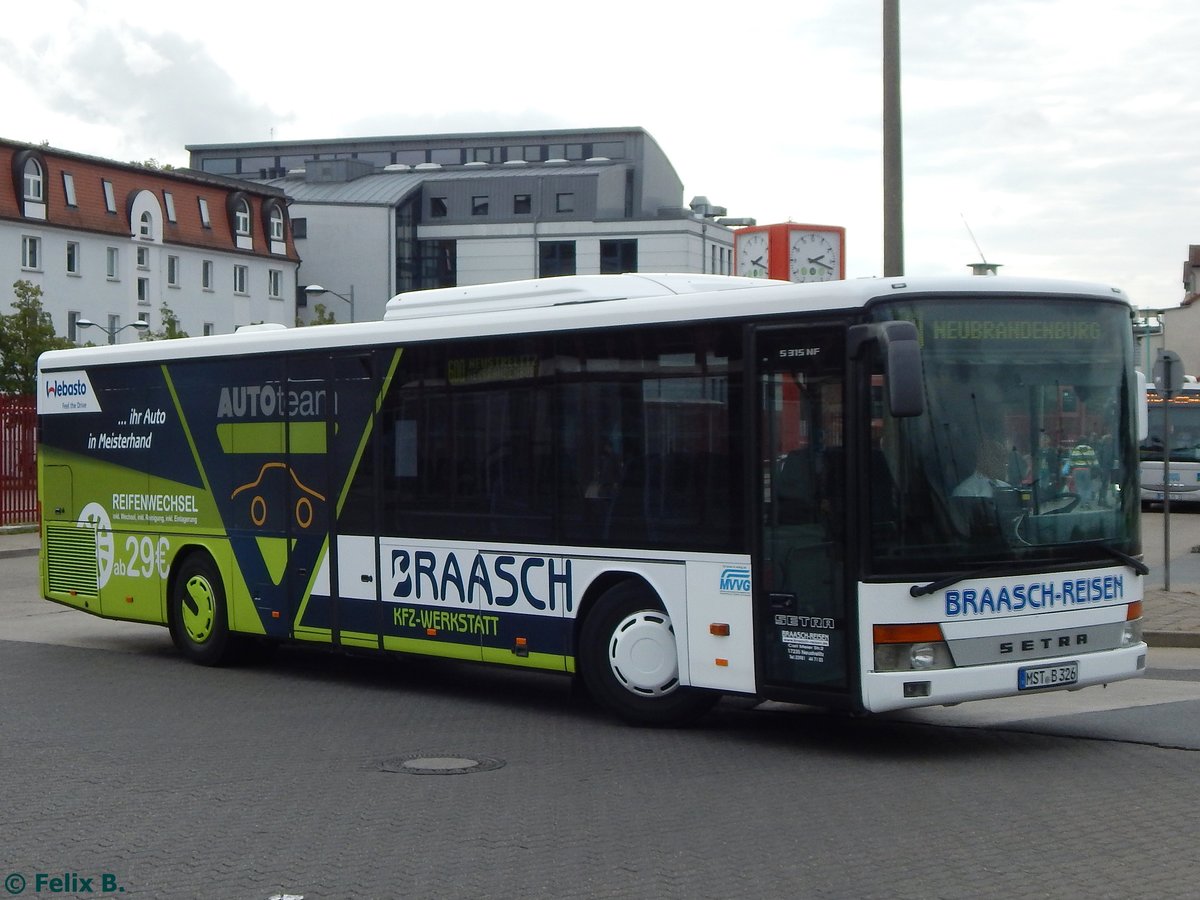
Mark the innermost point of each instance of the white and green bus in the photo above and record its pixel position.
(673, 487)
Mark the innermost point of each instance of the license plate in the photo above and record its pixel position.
(1033, 677)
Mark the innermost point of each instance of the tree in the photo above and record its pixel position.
(321, 316)
(24, 336)
(170, 327)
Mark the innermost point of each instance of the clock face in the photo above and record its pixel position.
(815, 256)
(752, 254)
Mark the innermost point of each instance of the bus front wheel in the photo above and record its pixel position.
(629, 660)
(198, 620)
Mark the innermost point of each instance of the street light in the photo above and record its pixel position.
(318, 289)
(112, 333)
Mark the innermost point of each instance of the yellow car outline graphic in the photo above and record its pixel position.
(258, 506)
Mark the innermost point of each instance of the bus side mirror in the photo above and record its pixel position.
(1143, 408)
(901, 354)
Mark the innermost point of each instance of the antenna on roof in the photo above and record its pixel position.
(984, 267)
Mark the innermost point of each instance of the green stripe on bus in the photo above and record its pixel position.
(548, 661)
(272, 437)
(445, 649)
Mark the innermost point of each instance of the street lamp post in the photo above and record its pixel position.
(313, 289)
(112, 333)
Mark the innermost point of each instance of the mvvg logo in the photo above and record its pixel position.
(735, 580)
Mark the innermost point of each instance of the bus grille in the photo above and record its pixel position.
(71, 566)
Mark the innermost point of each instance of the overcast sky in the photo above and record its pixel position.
(1062, 133)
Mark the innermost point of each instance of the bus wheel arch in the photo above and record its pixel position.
(197, 612)
(628, 656)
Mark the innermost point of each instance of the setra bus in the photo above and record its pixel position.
(1183, 420)
(672, 487)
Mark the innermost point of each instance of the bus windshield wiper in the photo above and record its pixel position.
(1132, 561)
(1001, 568)
(920, 590)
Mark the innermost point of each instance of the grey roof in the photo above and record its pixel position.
(391, 188)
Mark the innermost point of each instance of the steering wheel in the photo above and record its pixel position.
(1063, 503)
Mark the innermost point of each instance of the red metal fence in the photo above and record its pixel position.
(18, 460)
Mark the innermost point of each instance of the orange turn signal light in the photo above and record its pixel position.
(720, 629)
(1134, 611)
(921, 633)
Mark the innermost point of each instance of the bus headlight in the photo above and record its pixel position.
(911, 648)
(912, 657)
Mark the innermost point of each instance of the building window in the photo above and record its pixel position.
(110, 199)
(522, 204)
(209, 329)
(206, 274)
(437, 207)
(241, 277)
(144, 291)
(31, 252)
(447, 156)
(73, 326)
(169, 203)
(114, 325)
(241, 217)
(143, 257)
(275, 284)
(556, 258)
(146, 225)
(484, 154)
(69, 189)
(112, 263)
(34, 182)
(528, 152)
(204, 217)
(609, 149)
(479, 206)
(564, 203)
(437, 264)
(277, 224)
(144, 317)
(299, 229)
(72, 257)
(173, 271)
(618, 256)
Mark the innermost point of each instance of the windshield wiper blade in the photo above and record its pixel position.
(1132, 561)
(920, 590)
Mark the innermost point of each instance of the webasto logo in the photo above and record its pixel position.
(66, 388)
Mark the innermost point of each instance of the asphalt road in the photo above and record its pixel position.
(328, 777)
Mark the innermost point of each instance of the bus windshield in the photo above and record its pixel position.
(1026, 452)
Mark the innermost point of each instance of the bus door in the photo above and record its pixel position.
(331, 584)
(800, 592)
(353, 528)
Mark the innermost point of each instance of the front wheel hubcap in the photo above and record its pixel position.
(642, 654)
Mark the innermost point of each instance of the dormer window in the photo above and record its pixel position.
(276, 224)
(34, 181)
(146, 225)
(242, 217)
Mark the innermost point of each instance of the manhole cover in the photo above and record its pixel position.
(441, 764)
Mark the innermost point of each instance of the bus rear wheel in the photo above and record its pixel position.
(629, 661)
(198, 619)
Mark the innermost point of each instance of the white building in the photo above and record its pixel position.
(114, 243)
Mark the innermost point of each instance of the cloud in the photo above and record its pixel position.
(158, 92)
